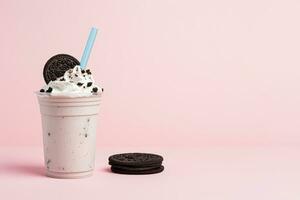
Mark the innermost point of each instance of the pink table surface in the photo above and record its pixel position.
(191, 173)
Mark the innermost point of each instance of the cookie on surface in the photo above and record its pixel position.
(137, 171)
(136, 163)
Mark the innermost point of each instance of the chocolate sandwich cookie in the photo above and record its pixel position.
(136, 163)
(57, 65)
(135, 159)
(138, 171)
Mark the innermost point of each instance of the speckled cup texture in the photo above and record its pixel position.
(69, 134)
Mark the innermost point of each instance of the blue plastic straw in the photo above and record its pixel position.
(88, 48)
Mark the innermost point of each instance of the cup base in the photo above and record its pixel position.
(69, 175)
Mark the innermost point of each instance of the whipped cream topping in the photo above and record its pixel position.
(74, 83)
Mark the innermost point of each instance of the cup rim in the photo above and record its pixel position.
(66, 96)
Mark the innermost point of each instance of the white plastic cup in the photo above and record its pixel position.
(69, 134)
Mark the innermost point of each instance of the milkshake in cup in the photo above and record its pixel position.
(69, 107)
(69, 134)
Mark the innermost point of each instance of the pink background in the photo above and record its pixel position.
(213, 86)
(175, 73)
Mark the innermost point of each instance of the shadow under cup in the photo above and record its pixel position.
(69, 134)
